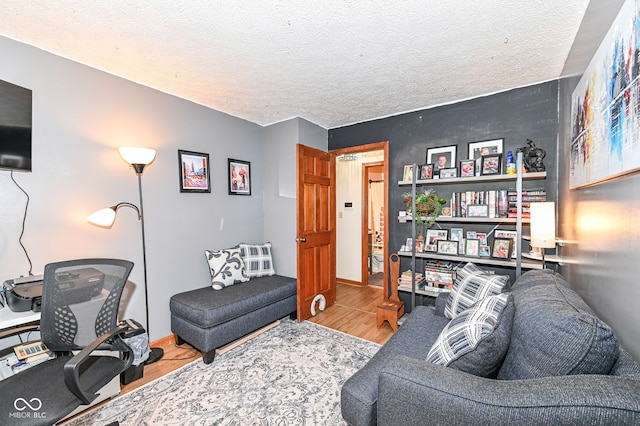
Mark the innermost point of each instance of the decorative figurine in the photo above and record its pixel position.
(532, 157)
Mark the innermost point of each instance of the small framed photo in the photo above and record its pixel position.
(407, 174)
(488, 147)
(485, 251)
(448, 173)
(478, 210)
(490, 164)
(472, 235)
(502, 248)
(482, 236)
(239, 177)
(447, 247)
(433, 235)
(426, 171)
(409, 244)
(445, 212)
(457, 234)
(419, 245)
(467, 168)
(195, 173)
(513, 235)
(443, 157)
(472, 248)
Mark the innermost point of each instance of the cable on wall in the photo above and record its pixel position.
(24, 219)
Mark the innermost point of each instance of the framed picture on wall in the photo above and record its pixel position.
(478, 149)
(443, 157)
(491, 164)
(239, 177)
(195, 173)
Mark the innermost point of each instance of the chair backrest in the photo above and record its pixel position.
(80, 301)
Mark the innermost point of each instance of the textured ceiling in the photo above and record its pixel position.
(332, 62)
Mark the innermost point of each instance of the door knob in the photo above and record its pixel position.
(301, 240)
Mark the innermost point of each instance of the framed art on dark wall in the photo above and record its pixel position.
(195, 173)
(443, 157)
(239, 177)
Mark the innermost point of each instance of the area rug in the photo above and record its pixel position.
(289, 375)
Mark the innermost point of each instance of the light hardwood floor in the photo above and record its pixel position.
(353, 313)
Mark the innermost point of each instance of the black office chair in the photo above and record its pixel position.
(80, 300)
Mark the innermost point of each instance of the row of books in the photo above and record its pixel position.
(493, 203)
(528, 197)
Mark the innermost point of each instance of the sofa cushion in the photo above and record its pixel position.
(206, 308)
(257, 259)
(476, 340)
(555, 333)
(471, 285)
(226, 267)
(359, 394)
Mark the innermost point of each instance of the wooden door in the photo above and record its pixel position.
(315, 228)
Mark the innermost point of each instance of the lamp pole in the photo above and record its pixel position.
(155, 353)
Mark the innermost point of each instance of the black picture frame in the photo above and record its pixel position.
(502, 248)
(448, 173)
(435, 155)
(239, 174)
(491, 164)
(467, 168)
(194, 171)
(426, 171)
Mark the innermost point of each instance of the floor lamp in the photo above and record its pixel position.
(138, 158)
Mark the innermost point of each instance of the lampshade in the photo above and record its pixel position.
(543, 225)
(135, 155)
(103, 217)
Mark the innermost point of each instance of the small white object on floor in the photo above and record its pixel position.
(323, 303)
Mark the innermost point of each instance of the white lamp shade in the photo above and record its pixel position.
(103, 217)
(135, 155)
(543, 225)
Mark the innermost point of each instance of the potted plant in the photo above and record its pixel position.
(428, 206)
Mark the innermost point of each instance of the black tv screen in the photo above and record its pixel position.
(15, 127)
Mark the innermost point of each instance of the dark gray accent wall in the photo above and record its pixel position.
(515, 115)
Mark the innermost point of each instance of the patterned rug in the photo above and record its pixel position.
(289, 375)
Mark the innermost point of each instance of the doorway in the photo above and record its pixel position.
(361, 216)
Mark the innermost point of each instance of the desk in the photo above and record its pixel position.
(12, 323)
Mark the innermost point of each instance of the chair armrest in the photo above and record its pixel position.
(410, 391)
(72, 367)
(441, 302)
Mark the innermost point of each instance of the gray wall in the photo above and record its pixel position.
(280, 186)
(80, 117)
(601, 221)
(515, 115)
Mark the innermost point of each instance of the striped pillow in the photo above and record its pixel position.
(257, 260)
(473, 284)
(476, 341)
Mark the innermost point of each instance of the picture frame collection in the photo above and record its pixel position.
(194, 172)
(484, 158)
(457, 242)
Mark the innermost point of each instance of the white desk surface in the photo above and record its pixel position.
(9, 319)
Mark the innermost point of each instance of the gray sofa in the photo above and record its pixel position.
(562, 365)
(208, 319)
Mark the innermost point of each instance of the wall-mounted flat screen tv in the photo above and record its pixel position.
(15, 127)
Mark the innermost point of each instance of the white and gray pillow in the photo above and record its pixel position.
(226, 267)
(477, 339)
(257, 259)
(471, 285)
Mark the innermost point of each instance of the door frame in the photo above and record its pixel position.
(377, 146)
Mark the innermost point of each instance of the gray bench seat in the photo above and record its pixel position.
(208, 319)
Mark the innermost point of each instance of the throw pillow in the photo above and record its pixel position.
(257, 260)
(477, 339)
(555, 333)
(471, 285)
(226, 267)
